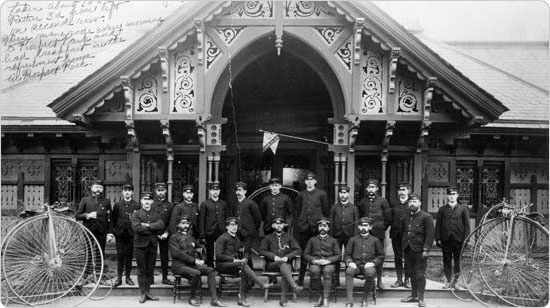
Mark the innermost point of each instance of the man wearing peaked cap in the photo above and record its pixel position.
(378, 208)
(344, 216)
(124, 234)
(212, 214)
(165, 207)
(250, 218)
(187, 207)
(452, 226)
(418, 237)
(323, 254)
(311, 204)
(279, 249)
(399, 211)
(275, 204)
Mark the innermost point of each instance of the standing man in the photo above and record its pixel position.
(452, 226)
(122, 229)
(418, 238)
(343, 216)
(232, 258)
(186, 208)
(164, 207)
(274, 205)
(323, 254)
(212, 215)
(363, 253)
(249, 217)
(311, 205)
(398, 212)
(378, 209)
(95, 212)
(279, 248)
(187, 263)
(147, 224)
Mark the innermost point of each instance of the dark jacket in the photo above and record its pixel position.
(378, 209)
(165, 209)
(145, 235)
(343, 219)
(183, 249)
(280, 246)
(452, 222)
(249, 217)
(229, 248)
(310, 206)
(185, 209)
(212, 215)
(398, 212)
(273, 206)
(121, 225)
(323, 248)
(102, 224)
(418, 231)
(364, 249)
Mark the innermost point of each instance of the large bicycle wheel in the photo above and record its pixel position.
(513, 261)
(39, 274)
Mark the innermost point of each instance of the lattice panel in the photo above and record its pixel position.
(250, 9)
(542, 201)
(522, 173)
(147, 99)
(9, 197)
(437, 197)
(465, 182)
(520, 197)
(33, 197)
(372, 74)
(306, 9)
(408, 100)
(184, 99)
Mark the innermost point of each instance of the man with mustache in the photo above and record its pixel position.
(164, 207)
(186, 208)
(212, 215)
(398, 212)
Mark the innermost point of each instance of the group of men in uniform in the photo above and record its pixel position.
(231, 234)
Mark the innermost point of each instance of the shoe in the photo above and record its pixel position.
(194, 302)
(380, 286)
(142, 298)
(151, 297)
(217, 303)
(325, 302)
(117, 283)
(421, 303)
(129, 281)
(319, 302)
(447, 285)
(349, 304)
(364, 303)
(297, 289)
(242, 301)
(283, 303)
(397, 284)
(409, 299)
(167, 281)
(407, 284)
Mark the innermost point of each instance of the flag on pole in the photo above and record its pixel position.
(271, 141)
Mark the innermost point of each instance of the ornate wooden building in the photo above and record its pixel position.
(185, 103)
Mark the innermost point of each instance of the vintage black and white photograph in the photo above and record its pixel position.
(274, 153)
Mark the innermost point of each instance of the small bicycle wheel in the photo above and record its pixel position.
(40, 267)
(513, 261)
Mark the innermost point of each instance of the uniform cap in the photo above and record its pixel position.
(278, 220)
(241, 184)
(404, 184)
(365, 220)
(128, 187)
(451, 190)
(229, 220)
(323, 220)
(146, 195)
(372, 181)
(214, 185)
(184, 218)
(415, 196)
(188, 187)
(275, 181)
(160, 185)
(343, 187)
(310, 175)
(97, 182)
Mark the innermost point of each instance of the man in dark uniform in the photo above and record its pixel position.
(418, 238)
(344, 216)
(322, 253)
(232, 258)
(250, 219)
(276, 204)
(279, 248)
(164, 207)
(377, 208)
(95, 212)
(363, 253)
(452, 226)
(124, 234)
(311, 205)
(147, 224)
(212, 215)
(398, 211)
(186, 262)
(186, 208)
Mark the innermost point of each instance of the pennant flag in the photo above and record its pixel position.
(271, 141)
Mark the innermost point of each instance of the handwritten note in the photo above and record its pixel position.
(41, 39)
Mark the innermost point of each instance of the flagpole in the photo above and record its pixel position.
(299, 138)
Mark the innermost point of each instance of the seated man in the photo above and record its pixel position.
(185, 262)
(363, 253)
(230, 259)
(322, 252)
(279, 248)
